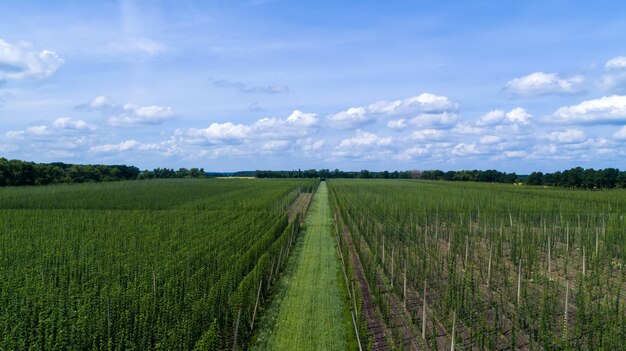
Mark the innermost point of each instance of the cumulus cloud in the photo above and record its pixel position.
(428, 134)
(216, 133)
(364, 145)
(540, 83)
(129, 114)
(64, 137)
(424, 102)
(311, 145)
(24, 62)
(607, 109)
(275, 145)
(301, 119)
(423, 110)
(490, 139)
(124, 146)
(616, 62)
(614, 78)
(515, 154)
(517, 115)
(297, 124)
(132, 114)
(465, 149)
(567, 136)
(351, 118)
(397, 124)
(363, 138)
(248, 89)
(435, 120)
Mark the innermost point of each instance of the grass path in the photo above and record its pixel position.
(307, 311)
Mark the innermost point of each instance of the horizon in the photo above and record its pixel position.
(273, 85)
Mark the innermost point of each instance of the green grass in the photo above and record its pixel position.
(307, 310)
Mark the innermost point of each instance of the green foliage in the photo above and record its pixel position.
(162, 264)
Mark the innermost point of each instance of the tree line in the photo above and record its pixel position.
(577, 177)
(16, 173)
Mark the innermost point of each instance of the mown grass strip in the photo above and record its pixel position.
(308, 308)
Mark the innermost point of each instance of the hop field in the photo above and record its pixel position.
(163, 264)
(487, 266)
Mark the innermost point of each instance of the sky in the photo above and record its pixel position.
(517, 86)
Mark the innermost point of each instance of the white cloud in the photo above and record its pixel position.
(364, 145)
(620, 134)
(613, 80)
(616, 62)
(465, 149)
(424, 102)
(124, 146)
(605, 109)
(491, 118)
(428, 134)
(275, 145)
(68, 123)
(517, 115)
(23, 62)
(412, 152)
(540, 83)
(567, 136)
(515, 154)
(38, 130)
(99, 103)
(398, 124)
(216, 133)
(129, 114)
(436, 120)
(134, 115)
(115, 148)
(311, 145)
(424, 110)
(490, 139)
(363, 138)
(301, 119)
(351, 118)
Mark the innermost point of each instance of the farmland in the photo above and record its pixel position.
(487, 266)
(216, 264)
(162, 264)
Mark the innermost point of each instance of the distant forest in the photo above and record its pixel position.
(577, 177)
(16, 172)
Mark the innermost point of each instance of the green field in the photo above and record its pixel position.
(222, 264)
(504, 266)
(308, 310)
(163, 264)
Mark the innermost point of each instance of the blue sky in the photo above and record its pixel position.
(240, 85)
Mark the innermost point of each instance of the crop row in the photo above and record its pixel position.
(502, 266)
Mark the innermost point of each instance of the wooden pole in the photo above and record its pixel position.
(424, 313)
(256, 304)
(236, 330)
(489, 266)
(519, 281)
(565, 318)
(356, 332)
(453, 331)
